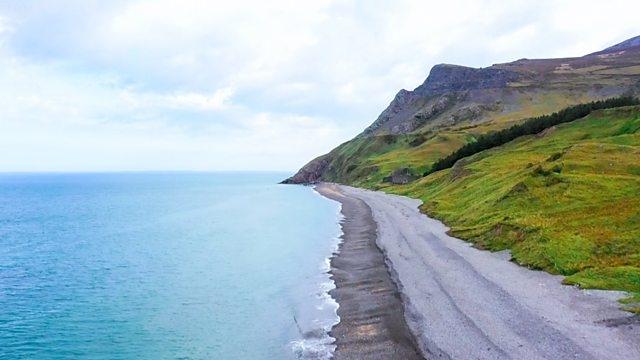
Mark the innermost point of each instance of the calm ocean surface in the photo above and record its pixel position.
(163, 266)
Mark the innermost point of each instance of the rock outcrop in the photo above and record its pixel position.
(310, 173)
(401, 176)
(445, 78)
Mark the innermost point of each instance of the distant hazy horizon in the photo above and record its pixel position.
(246, 85)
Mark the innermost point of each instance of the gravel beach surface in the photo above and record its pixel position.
(372, 323)
(463, 303)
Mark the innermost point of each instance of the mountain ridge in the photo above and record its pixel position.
(460, 103)
(624, 45)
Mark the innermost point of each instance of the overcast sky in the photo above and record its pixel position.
(247, 85)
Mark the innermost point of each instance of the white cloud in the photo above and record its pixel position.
(217, 101)
(70, 124)
(191, 85)
(5, 26)
(189, 101)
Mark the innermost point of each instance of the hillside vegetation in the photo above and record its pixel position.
(528, 127)
(564, 198)
(457, 104)
(566, 201)
(369, 161)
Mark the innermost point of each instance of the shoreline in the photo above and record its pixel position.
(462, 302)
(372, 323)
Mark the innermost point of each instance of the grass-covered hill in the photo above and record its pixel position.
(456, 104)
(566, 200)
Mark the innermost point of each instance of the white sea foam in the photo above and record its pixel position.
(314, 348)
(317, 343)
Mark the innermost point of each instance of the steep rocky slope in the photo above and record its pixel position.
(455, 104)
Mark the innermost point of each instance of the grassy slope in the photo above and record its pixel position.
(365, 162)
(567, 202)
(581, 220)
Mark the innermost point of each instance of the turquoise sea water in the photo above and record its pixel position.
(164, 266)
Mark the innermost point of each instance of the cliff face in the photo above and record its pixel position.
(449, 78)
(310, 173)
(445, 87)
(455, 103)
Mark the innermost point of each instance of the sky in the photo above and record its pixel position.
(247, 85)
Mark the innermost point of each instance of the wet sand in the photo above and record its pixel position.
(459, 302)
(372, 323)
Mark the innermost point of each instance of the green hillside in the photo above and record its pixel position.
(566, 201)
(457, 104)
(366, 161)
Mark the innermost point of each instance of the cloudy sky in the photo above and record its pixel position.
(247, 85)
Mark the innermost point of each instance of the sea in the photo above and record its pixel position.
(165, 266)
